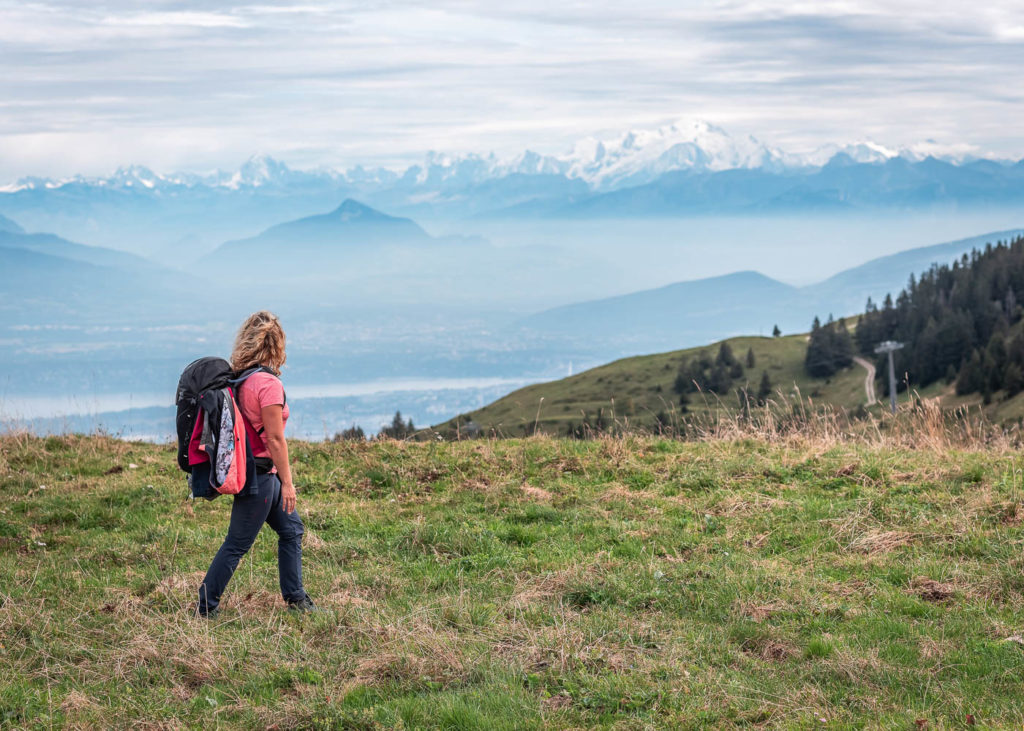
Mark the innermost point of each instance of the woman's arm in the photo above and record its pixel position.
(273, 437)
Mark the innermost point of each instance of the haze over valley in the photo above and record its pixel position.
(438, 288)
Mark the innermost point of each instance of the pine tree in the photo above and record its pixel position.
(842, 345)
(352, 434)
(398, 429)
(719, 381)
(1013, 380)
(818, 361)
(682, 382)
(830, 348)
(751, 360)
(971, 378)
(996, 350)
(991, 373)
(725, 356)
(765, 389)
(776, 332)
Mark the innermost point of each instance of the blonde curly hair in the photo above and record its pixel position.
(259, 342)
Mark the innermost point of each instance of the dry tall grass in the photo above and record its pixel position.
(798, 421)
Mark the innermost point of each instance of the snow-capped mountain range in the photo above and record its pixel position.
(633, 158)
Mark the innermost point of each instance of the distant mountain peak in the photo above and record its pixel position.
(133, 176)
(630, 158)
(259, 170)
(641, 155)
(351, 209)
(350, 224)
(871, 152)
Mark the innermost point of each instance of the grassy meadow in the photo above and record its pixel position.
(537, 583)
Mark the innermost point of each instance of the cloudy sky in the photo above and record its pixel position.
(196, 85)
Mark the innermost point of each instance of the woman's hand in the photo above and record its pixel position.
(288, 497)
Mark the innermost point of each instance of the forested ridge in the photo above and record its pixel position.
(958, 322)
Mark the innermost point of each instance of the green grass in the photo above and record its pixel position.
(538, 583)
(632, 391)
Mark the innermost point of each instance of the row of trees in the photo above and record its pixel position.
(830, 348)
(717, 375)
(704, 373)
(399, 428)
(957, 322)
(999, 367)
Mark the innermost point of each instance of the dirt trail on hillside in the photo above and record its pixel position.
(869, 380)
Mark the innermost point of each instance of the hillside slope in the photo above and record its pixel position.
(52, 245)
(39, 288)
(635, 390)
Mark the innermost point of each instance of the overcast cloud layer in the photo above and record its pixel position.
(196, 85)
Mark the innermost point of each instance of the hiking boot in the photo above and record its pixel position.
(209, 614)
(303, 606)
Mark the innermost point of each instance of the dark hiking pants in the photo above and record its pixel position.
(248, 514)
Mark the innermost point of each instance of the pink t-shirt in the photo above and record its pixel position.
(259, 390)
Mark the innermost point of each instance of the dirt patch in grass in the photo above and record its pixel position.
(851, 588)
(931, 590)
(566, 465)
(256, 600)
(121, 602)
(771, 650)
(557, 702)
(482, 484)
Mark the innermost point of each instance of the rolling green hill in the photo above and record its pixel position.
(633, 391)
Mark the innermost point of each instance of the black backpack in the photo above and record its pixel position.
(204, 374)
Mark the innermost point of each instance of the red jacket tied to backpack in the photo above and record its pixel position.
(214, 439)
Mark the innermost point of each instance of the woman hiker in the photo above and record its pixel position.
(260, 345)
